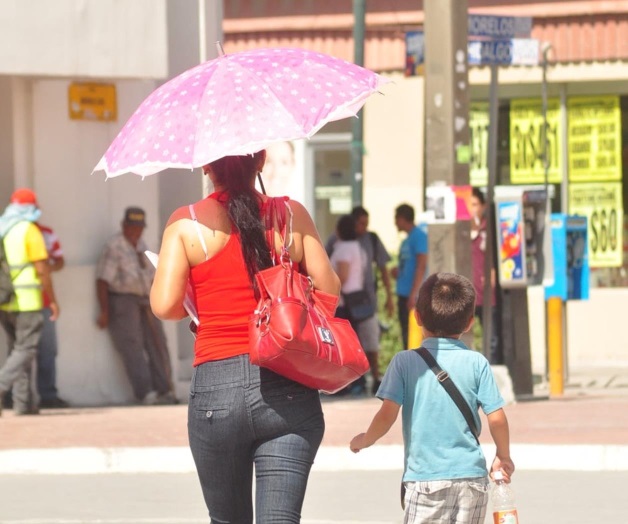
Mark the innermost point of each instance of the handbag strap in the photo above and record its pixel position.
(445, 380)
(276, 211)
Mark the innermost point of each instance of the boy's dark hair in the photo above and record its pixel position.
(345, 228)
(405, 211)
(446, 304)
(477, 193)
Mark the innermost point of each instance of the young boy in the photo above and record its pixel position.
(445, 470)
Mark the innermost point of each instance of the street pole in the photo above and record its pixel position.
(554, 307)
(357, 144)
(447, 125)
(489, 253)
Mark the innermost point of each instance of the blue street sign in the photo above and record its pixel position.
(499, 26)
(516, 51)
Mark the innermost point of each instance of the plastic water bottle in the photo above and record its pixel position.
(504, 509)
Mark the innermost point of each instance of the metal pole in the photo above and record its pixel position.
(555, 345)
(357, 144)
(493, 123)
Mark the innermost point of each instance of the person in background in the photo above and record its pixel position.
(445, 475)
(242, 419)
(22, 317)
(377, 257)
(478, 251)
(412, 267)
(48, 348)
(349, 261)
(123, 280)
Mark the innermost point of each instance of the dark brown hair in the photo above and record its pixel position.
(243, 205)
(446, 304)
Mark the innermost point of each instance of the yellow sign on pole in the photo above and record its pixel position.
(601, 203)
(526, 141)
(478, 127)
(594, 132)
(90, 101)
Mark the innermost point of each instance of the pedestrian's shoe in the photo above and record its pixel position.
(33, 410)
(166, 399)
(52, 403)
(150, 399)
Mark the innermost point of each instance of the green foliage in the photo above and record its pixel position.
(391, 341)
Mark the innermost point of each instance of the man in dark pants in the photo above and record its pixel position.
(412, 265)
(123, 280)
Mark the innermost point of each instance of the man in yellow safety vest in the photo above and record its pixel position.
(22, 317)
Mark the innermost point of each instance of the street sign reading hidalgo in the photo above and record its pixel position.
(594, 132)
(516, 51)
(526, 141)
(602, 204)
(491, 26)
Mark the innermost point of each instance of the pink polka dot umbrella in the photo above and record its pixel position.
(237, 104)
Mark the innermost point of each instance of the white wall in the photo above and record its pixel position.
(393, 161)
(86, 38)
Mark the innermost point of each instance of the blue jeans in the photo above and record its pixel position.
(240, 416)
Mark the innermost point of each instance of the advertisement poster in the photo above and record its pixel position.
(510, 238)
(601, 203)
(594, 132)
(526, 141)
(478, 129)
(415, 53)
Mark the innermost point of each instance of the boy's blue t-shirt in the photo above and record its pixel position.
(414, 244)
(438, 442)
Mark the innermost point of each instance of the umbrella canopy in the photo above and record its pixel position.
(237, 104)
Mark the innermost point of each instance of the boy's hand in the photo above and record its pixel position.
(358, 443)
(506, 466)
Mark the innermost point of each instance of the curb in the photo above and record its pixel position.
(84, 461)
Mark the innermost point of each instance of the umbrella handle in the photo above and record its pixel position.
(261, 182)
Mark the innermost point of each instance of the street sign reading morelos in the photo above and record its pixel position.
(499, 27)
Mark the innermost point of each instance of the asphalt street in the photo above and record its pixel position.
(350, 497)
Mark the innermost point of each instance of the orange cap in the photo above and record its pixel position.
(23, 196)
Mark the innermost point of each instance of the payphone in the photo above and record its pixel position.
(571, 258)
(524, 256)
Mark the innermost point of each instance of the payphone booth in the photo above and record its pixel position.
(524, 253)
(523, 258)
(571, 282)
(571, 258)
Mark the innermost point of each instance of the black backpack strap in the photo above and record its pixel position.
(451, 388)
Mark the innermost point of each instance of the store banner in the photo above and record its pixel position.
(601, 203)
(526, 141)
(478, 128)
(594, 132)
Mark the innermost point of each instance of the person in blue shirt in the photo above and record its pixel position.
(412, 267)
(445, 475)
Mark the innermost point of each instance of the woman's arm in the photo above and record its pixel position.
(169, 286)
(310, 253)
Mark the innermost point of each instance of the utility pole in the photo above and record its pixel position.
(357, 144)
(447, 125)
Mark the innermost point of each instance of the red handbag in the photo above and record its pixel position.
(292, 331)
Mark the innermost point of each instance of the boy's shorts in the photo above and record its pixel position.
(457, 500)
(368, 334)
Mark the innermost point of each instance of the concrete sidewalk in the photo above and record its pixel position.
(586, 429)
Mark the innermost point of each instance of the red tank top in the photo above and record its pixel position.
(224, 300)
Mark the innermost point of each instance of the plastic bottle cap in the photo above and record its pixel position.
(498, 475)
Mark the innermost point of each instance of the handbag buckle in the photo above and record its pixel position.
(442, 376)
(326, 335)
